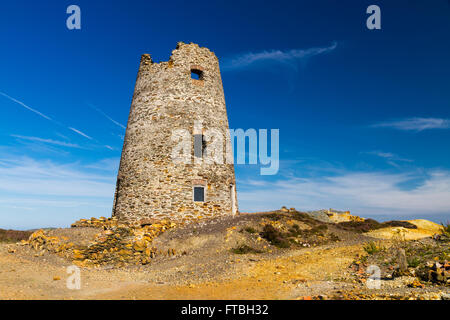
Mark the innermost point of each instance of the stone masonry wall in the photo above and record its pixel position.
(150, 185)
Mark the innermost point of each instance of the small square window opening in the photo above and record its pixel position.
(199, 194)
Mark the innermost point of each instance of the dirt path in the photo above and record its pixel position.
(296, 274)
(207, 260)
(302, 273)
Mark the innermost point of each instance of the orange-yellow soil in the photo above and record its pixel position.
(300, 273)
(424, 229)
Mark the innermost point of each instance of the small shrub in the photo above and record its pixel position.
(371, 224)
(413, 262)
(274, 236)
(360, 226)
(334, 237)
(250, 230)
(319, 229)
(243, 249)
(273, 216)
(372, 248)
(395, 223)
(295, 231)
(444, 256)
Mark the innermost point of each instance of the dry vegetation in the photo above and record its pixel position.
(370, 224)
(273, 255)
(12, 236)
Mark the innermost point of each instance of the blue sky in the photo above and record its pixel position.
(363, 114)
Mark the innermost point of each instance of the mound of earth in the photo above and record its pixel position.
(107, 242)
(423, 229)
(282, 254)
(252, 233)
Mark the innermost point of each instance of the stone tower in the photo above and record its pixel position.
(170, 96)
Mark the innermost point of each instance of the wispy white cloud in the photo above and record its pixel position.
(415, 124)
(25, 106)
(365, 193)
(279, 56)
(36, 204)
(106, 116)
(62, 136)
(382, 154)
(107, 164)
(391, 158)
(27, 176)
(49, 141)
(57, 193)
(54, 142)
(80, 133)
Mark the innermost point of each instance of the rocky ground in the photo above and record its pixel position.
(277, 255)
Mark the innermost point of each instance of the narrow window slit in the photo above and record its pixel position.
(199, 145)
(196, 74)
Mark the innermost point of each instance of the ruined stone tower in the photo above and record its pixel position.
(171, 96)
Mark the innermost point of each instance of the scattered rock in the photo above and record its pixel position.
(416, 284)
(117, 244)
(96, 222)
(437, 272)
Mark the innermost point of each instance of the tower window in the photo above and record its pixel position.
(196, 74)
(199, 194)
(199, 145)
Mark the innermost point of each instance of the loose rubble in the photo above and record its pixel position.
(223, 248)
(116, 244)
(437, 272)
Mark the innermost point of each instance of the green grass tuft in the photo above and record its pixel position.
(244, 249)
(250, 230)
(372, 248)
